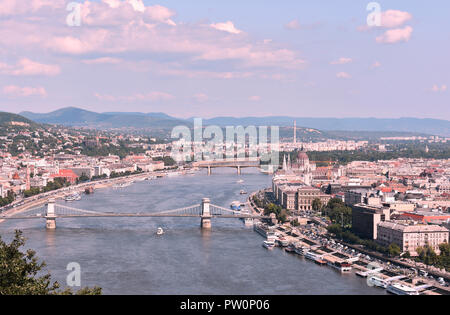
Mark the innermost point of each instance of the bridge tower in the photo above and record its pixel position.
(206, 214)
(50, 215)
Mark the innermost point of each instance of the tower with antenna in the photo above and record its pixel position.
(295, 131)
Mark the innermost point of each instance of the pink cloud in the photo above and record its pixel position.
(341, 61)
(102, 60)
(17, 7)
(343, 75)
(394, 18)
(201, 97)
(119, 27)
(226, 27)
(293, 25)
(154, 96)
(395, 35)
(160, 14)
(376, 64)
(254, 98)
(17, 91)
(27, 67)
(436, 88)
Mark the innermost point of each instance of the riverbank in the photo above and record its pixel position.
(43, 198)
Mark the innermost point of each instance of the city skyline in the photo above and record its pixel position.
(297, 59)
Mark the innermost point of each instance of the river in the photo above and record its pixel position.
(124, 255)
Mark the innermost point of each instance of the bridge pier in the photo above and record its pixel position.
(209, 170)
(239, 170)
(206, 214)
(50, 215)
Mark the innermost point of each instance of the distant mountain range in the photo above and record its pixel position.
(72, 116)
(414, 125)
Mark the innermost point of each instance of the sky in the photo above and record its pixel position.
(208, 58)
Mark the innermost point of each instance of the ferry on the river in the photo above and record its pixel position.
(289, 249)
(341, 266)
(302, 251)
(283, 242)
(159, 231)
(122, 185)
(268, 244)
(235, 205)
(401, 289)
(378, 282)
(73, 197)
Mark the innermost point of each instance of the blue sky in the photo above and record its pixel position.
(227, 58)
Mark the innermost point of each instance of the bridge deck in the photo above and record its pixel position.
(123, 215)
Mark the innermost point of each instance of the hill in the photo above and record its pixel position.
(76, 117)
(14, 119)
(333, 127)
(408, 125)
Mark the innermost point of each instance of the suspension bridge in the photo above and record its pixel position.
(205, 211)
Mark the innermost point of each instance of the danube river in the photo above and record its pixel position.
(124, 255)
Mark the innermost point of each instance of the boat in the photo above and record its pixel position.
(289, 249)
(311, 256)
(320, 261)
(73, 197)
(159, 231)
(362, 274)
(283, 242)
(341, 266)
(240, 181)
(268, 244)
(122, 185)
(235, 205)
(271, 236)
(260, 229)
(401, 289)
(301, 251)
(378, 282)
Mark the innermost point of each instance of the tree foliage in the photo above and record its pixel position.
(20, 272)
(338, 212)
(280, 213)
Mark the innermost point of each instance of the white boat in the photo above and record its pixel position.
(301, 251)
(283, 242)
(240, 181)
(122, 185)
(243, 192)
(311, 256)
(268, 244)
(378, 282)
(341, 266)
(401, 289)
(73, 197)
(159, 231)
